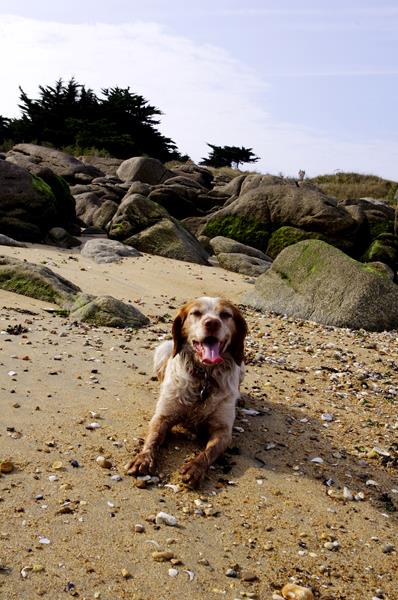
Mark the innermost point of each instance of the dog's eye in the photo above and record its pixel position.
(196, 313)
(225, 315)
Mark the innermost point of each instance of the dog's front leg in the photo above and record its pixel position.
(193, 471)
(145, 462)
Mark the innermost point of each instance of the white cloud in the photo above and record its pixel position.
(206, 95)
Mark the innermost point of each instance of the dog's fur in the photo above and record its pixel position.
(200, 371)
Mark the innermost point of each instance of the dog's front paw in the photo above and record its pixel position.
(142, 464)
(192, 473)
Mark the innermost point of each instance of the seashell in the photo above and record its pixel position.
(6, 466)
(92, 426)
(163, 517)
(291, 591)
(190, 574)
(103, 462)
(172, 486)
(163, 556)
(154, 543)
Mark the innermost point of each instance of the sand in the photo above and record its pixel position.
(266, 510)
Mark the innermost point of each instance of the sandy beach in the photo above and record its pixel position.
(308, 492)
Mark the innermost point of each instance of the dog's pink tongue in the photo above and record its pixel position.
(211, 353)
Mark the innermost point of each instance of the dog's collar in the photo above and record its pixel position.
(206, 380)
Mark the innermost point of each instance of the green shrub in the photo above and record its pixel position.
(356, 185)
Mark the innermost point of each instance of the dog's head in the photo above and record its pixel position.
(211, 327)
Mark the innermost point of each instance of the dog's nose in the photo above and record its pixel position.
(211, 325)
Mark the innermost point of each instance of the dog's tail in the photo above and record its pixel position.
(162, 354)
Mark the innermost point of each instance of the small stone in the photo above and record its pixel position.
(172, 572)
(103, 462)
(126, 574)
(162, 556)
(231, 573)
(333, 546)
(141, 484)
(74, 463)
(117, 478)
(291, 591)
(57, 465)
(347, 494)
(92, 426)
(163, 517)
(248, 576)
(327, 417)
(388, 548)
(139, 528)
(37, 568)
(52, 478)
(44, 540)
(6, 466)
(268, 546)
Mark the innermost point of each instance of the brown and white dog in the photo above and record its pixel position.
(200, 371)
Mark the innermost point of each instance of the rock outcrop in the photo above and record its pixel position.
(170, 239)
(107, 251)
(59, 162)
(315, 281)
(40, 282)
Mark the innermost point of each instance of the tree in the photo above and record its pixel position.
(226, 156)
(4, 128)
(69, 114)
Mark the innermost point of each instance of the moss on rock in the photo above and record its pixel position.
(244, 230)
(105, 311)
(286, 236)
(384, 249)
(377, 228)
(28, 285)
(43, 188)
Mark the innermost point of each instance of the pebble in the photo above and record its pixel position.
(103, 462)
(388, 548)
(231, 573)
(6, 466)
(291, 591)
(172, 486)
(117, 478)
(57, 465)
(327, 417)
(126, 574)
(333, 546)
(162, 556)
(44, 540)
(248, 576)
(139, 528)
(92, 426)
(172, 572)
(163, 517)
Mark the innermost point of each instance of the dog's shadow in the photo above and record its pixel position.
(282, 438)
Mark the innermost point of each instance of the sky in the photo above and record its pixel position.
(307, 85)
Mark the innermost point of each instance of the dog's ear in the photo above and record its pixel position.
(177, 330)
(237, 345)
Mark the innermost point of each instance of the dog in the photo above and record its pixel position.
(200, 371)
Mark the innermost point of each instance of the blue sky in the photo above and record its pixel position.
(308, 85)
